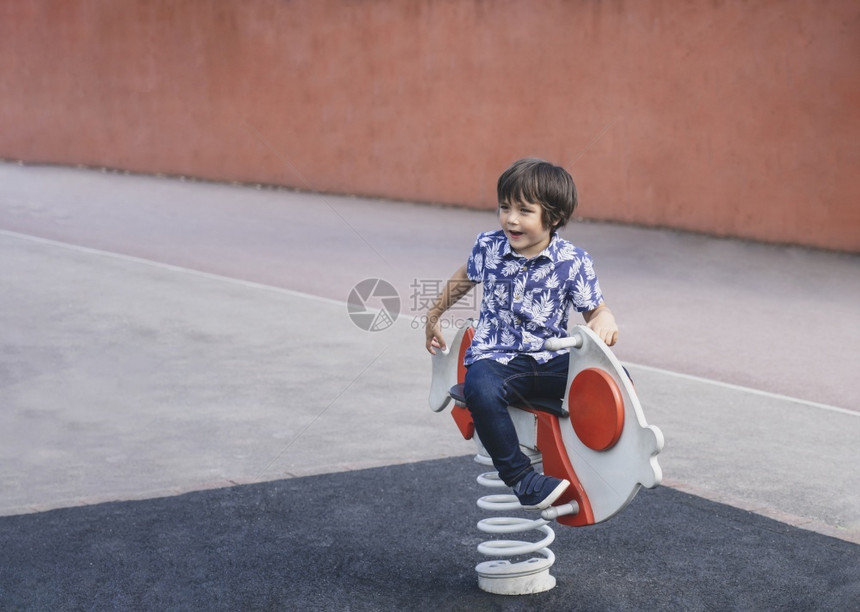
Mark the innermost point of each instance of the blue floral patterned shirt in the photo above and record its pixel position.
(526, 301)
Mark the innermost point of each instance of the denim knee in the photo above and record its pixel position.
(485, 388)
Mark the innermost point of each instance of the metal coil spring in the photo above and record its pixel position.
(502, 575)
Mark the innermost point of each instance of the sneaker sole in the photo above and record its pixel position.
(550, 499)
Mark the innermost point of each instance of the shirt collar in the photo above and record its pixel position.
(550, 252)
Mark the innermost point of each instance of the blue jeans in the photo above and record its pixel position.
(491, 386)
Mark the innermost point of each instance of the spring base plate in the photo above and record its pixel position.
(503, 577)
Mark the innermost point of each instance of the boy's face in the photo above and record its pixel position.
(523, 225)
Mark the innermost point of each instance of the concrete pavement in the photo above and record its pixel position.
(163, 337)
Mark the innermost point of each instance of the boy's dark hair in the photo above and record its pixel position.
(540, 182)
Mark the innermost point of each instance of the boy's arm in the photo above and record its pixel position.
(602, 322)
(456, 287)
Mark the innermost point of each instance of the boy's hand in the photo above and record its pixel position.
(433, 335)
(602, 322)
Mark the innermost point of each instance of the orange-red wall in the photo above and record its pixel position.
(732, 118)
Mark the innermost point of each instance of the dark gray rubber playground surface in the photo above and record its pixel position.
(403, 538)
(189, 420)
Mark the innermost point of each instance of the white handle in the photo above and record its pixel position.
(556, 344)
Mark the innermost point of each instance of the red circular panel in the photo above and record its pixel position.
(596, 409)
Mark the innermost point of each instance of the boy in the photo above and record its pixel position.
(531, 278)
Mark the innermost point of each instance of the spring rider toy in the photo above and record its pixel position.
(596, 437)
